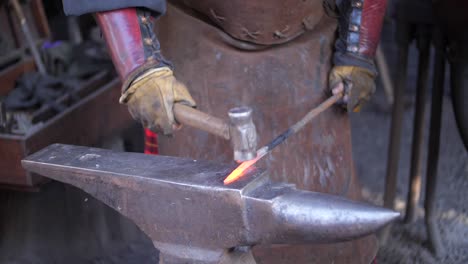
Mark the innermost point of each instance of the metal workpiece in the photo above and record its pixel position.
(192, 217)
(243, 133)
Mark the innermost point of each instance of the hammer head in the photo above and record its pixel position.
(243, 133)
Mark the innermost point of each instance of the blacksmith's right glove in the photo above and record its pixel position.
(149, 87)
(151, 97)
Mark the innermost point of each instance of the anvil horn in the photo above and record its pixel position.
(182, 203)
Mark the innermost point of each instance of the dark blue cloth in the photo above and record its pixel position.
(80, 7)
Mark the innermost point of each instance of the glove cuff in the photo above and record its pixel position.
(347, 59)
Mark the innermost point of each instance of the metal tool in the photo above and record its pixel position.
(385, 75)
(28, 36)
(191, 217)
(240, 130)
(436, 244)
(238, 172)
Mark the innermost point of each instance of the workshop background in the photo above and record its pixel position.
(60, 107)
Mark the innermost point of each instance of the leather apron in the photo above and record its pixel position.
(281, 83)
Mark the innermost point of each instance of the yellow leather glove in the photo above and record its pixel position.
(151, 96)
(357, 84)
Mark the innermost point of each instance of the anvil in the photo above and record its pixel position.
(192, 217)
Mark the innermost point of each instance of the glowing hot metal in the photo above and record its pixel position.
(238, 172)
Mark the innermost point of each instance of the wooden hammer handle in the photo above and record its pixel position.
(189, 116)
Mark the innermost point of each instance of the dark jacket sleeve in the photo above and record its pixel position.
(80, 7)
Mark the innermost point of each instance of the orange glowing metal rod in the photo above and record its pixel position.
(239, 171)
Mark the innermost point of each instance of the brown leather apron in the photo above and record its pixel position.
(262, 22)
(281, 83)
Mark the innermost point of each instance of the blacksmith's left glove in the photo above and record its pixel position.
(356, 83)
(359, 27)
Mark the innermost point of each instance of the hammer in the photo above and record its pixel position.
(240, 129)
(262, 152)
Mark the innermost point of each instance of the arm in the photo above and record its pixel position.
(149, 88)
(132, 44)
(360, 24)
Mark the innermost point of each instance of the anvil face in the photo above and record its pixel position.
(140, 167)
(171, 199)
(183, 203)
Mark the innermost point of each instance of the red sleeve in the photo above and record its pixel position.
(131, 41)
(373, 14)
(360, 24)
